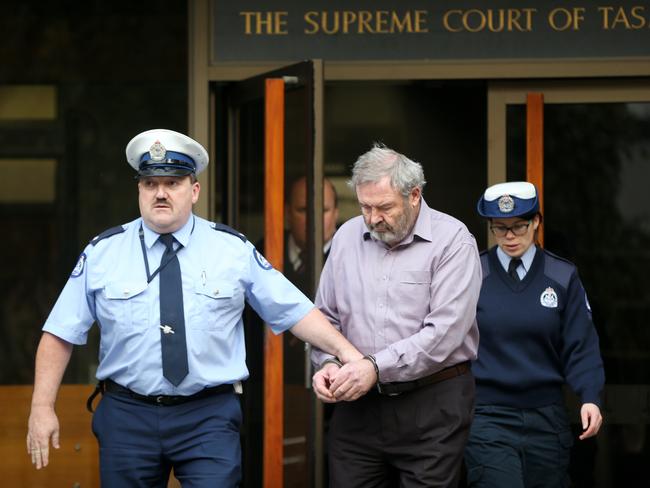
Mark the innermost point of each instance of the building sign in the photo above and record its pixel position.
(292, 30)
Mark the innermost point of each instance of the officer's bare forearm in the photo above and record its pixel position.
(52, 358)
(315, 329)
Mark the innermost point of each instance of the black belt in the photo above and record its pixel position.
(164, 400)
(392, 389)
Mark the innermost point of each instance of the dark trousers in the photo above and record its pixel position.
(140, 443)
(415, 439)
(519, 448)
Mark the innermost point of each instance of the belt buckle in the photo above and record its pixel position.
(159, 399)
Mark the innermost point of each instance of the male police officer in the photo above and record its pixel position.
(167, 291)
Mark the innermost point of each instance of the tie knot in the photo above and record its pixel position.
(168, 241)
(514, 264)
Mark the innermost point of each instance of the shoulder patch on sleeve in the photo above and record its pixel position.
(118, 229)
(229, 230)
(261, 260)
(79, 267)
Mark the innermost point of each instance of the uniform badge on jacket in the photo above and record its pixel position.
(548, 298)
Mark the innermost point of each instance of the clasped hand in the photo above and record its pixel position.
(333, 383)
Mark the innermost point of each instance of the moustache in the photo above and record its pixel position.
(380, 227)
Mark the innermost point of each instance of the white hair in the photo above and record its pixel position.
(382, 161)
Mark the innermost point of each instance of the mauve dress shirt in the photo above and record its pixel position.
(412, 306)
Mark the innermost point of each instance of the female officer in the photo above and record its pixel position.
(536, 335)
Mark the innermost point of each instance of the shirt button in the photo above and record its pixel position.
(216, 292)
(126, 291)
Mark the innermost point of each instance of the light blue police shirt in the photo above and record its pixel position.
(220, 272)
(526, 260)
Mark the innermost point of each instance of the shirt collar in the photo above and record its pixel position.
(293, 250)
(422, 227)
(526, 258)
(182, 235)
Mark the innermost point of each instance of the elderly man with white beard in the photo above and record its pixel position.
(401, 284)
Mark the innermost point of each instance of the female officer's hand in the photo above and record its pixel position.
(591, 420)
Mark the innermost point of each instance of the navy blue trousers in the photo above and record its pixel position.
(140, 443)
(519, 448)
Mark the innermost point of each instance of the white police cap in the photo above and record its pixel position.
(512, 199)
(163, 152)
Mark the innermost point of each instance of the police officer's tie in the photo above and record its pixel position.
(172, 319)
(512, 269)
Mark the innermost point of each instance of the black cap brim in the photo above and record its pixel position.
(166, 171)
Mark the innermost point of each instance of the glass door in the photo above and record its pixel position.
(597, 214)
(240, 141)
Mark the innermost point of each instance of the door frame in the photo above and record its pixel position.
(270, 87)
(500, 94)
(504, 93)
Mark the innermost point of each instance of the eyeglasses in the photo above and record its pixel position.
(519, 229)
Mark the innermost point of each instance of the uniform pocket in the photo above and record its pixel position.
(214, 301)
(127, 303)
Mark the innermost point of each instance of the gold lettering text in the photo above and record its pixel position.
(561, 19)
(421, 21)
(618, 18)
(334, 27)
(365, 17)
(381, 22)
(313, 23)
(269, 23)
(349, 18)
(638, 13)
(362, 22)
(446, 20)
(247, 21)
(401, 25)
(493, 20)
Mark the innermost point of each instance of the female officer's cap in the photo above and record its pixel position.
(512, 199)
(162, 152)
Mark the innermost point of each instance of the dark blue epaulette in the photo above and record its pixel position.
(560, 258)
(229, 230)
(118, 229)
(558, 268)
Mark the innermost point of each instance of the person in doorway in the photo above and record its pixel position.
(295, 257)
(401, 283)
(167, 291)
(536, 335)
(297, 271)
